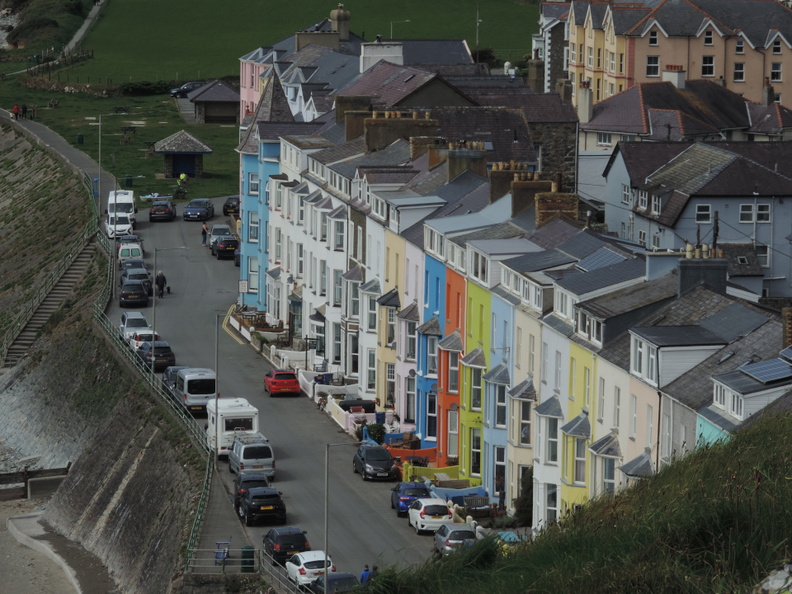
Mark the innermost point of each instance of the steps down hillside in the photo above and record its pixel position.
(60, 293)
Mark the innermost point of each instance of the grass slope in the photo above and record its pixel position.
(718, 520)
(188, 39)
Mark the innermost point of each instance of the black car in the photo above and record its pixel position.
(336, 583)
(140, 274)
(133, 292)
(260, 503)
(245, 481)
(282, 543)
(374, 462)
(184, 90)
(198, 209)
(163, 355)
(225, 246)
(162, 210)
(231, 206)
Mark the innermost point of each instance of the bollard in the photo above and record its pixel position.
(80, 139)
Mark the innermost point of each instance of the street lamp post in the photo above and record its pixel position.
(217, 387)
(391, 23)
(327, 500)
(154, 299)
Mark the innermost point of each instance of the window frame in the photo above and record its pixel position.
(652, 66)
(707, 66)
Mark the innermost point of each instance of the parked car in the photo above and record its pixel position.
(374, 462)
(336, 583)
(403, 494)
(117, 224)
(245, 481)
(133, 292)
(128, 238)
(133, 263)
(216, 232)
(252, 451)
(428, 514)
(169, 378)
(231, 206)
(260, 503)
(140, 274)
(138, 338)
(184, 90)
(303, 568)
(225, 247)
(449, 537)
(162, 210)
(281, 381)
(160, 350)
(129, 251)
(131, 322)
(198, 209)
(281, 543)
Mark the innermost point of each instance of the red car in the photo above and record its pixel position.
(281, 381)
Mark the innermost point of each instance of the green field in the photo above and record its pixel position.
(184, 40)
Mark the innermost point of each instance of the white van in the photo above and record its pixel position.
(194, 387)
(122, 202)
(225, 418)
(252, 452)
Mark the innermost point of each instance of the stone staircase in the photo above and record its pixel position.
(62, 290)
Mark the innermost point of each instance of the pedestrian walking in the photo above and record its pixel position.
(24, 111)
(374, 573)
(204, 232)
(160, 281)
(365, 574)
(15, 111)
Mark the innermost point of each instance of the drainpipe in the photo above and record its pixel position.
(659, 420)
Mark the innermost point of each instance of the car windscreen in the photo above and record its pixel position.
(118, 220)
(239, 424)
(416, 492)
(136, 323)
(378, 455)
(201, 386)
(462, 535)
(436, 510)
(257, 452)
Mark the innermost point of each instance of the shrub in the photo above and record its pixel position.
(523, 505)
(146, 87)
(376, 432)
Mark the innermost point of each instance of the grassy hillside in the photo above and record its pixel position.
(718, 520)
(188, 39)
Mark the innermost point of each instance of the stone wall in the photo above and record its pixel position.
(559, 142)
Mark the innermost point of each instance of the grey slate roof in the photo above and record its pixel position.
(607, 446)
(525, 390)
(182, 142)
(599, 259)
(435, 51)
(475, 358)
(533, 261)
(672, 336)
(216, 91)
(581, 245)
(397, 153)
(410, 313)
(371, 286)
(388, 83)
(631, 298)
(587, 282)
(390, 299)
(639, 467)
(452, 342)
(430, 327)
(733, 321)
(579, 426)
(550, 408)
(498, 375)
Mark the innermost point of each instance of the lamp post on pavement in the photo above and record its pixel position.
(154, 300)
(327, 500)
(217, 387)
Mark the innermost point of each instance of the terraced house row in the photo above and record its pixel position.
(422, 226)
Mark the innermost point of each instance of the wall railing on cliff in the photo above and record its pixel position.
(185, 419)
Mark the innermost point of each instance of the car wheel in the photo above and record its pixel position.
(248, 519)
(394, 507)
(240, 513)
(230, 468)
(354, 467)
(417, 530)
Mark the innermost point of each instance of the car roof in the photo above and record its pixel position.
(413, 485)
(457, 526)
(128, 271)
(133, 281)
(311, 555)
(198, 202)
(160, 201)
(288, 530)
(134, 314)
(219, 227)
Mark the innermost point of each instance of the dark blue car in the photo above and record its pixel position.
(198, 209)
(403, 494)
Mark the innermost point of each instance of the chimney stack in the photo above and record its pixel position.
(340, 19)
(768, 93)
(585, 103)
(675, 74)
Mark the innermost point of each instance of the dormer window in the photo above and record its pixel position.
(728, 400)
(589, 328)
(563, 305)
(707, 37)
(379, 208)
(643, 360)
(479, 268)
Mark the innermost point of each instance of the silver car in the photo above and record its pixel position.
(450, 537)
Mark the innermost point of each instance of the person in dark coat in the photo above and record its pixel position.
(160, 281)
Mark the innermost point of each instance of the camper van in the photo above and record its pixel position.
(226, 417)
(122, 202)
(194, 387)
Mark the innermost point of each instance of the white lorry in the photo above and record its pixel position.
(226, 417)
